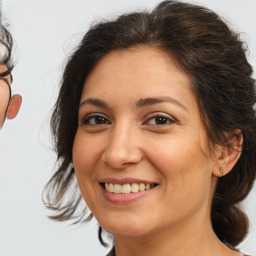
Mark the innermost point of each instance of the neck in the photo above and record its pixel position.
(194, 239)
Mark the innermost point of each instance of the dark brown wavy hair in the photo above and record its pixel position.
(213, 55)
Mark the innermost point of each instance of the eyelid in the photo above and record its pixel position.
(92, 115)
(160, 114)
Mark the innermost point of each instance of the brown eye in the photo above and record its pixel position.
(160, 120)
(95, 120)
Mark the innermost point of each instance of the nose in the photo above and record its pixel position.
(122, 148)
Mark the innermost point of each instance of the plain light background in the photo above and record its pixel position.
(45, 33)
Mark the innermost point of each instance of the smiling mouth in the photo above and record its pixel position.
(127, 188)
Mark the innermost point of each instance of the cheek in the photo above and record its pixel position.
(80, 157)
(183, 165)
(187, 181)
(85, 154)
(84, 161)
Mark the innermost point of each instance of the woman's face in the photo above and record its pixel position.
(4, 94)
(141, 136)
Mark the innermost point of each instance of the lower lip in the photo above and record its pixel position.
(126, 198)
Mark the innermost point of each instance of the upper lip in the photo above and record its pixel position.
(126, 181)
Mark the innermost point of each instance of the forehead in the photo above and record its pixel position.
(142, 58)
(2, 54)
(135, 71)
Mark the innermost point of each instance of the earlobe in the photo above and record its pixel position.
(14, 106)
(229, 154)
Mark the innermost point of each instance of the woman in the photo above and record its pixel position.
(155, 119)
(9, 105)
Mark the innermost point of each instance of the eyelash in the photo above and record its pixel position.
(104, 120)
(88, 118)
(163, 117)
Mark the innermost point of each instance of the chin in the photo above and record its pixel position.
(126, 231)
(128, 227)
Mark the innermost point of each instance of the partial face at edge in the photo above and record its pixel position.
(5, 94)
(139, 123)
(8, 106)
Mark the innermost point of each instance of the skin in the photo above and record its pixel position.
(10, 111)
(174, 217)
(4, 94)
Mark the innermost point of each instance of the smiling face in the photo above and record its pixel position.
(140, 129)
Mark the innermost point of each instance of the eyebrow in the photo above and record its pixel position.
(141, 103)
(155, 100)
(95, 102)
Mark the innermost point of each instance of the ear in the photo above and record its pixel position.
(227, 156)
(14, 106)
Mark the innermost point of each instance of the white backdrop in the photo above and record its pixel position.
(45, 31)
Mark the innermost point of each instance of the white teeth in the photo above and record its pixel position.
(117, 188)
(111, 187)
(142, 187)
(135, 187)
(127, 188)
